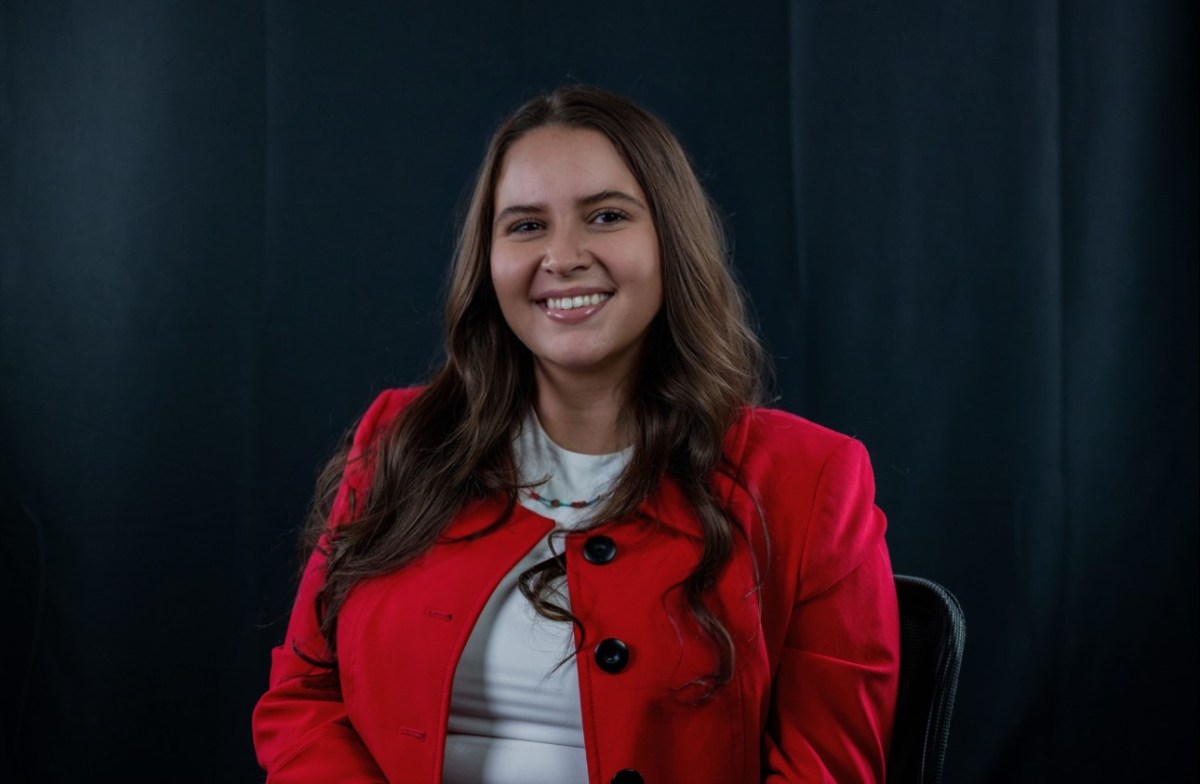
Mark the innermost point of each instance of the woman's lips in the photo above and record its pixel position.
(572, 309)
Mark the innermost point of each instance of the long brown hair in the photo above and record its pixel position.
(701, 365)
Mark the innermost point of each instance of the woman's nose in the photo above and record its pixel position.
(566, 252)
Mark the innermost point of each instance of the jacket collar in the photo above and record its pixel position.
(669, 506)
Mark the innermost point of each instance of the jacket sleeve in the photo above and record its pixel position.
(834, 692)
(302, 732)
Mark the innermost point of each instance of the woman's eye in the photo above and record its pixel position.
(524, 227)
(605, 217)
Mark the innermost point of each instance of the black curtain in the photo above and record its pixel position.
(969, 231)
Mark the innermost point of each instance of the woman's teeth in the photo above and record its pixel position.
(569, 303)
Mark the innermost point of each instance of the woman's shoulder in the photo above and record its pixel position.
(384, 409)
(783, 437)
(813, 486)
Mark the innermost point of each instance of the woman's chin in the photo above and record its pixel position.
(583, 366)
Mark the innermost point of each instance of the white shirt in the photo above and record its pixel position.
(514, 717)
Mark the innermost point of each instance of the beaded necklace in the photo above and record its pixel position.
(554, 503)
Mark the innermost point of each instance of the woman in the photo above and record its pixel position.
(580, 554)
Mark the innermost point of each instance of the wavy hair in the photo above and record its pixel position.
(701, 364)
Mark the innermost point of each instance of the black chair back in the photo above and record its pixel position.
(932, 634)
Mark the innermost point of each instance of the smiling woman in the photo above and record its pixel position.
(581, 553)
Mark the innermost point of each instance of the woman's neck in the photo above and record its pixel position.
(580, 417)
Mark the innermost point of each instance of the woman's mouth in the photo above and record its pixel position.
(574, 308)
(570, 303)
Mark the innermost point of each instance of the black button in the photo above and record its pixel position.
(599, 549)
(612, 655)
(628, 776)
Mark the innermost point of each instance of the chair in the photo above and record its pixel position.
(932, 633)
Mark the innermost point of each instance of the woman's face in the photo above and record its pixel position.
(575, 258)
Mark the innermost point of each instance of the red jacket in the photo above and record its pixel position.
(817, 646)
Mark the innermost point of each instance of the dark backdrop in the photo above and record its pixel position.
(969, 230)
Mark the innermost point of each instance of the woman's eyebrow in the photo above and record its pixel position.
(595, 198)
(519, 209)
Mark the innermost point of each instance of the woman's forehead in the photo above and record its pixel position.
(557, 162)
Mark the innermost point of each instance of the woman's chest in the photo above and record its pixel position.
(641, 652)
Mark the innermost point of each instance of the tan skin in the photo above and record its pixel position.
(572, 223)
